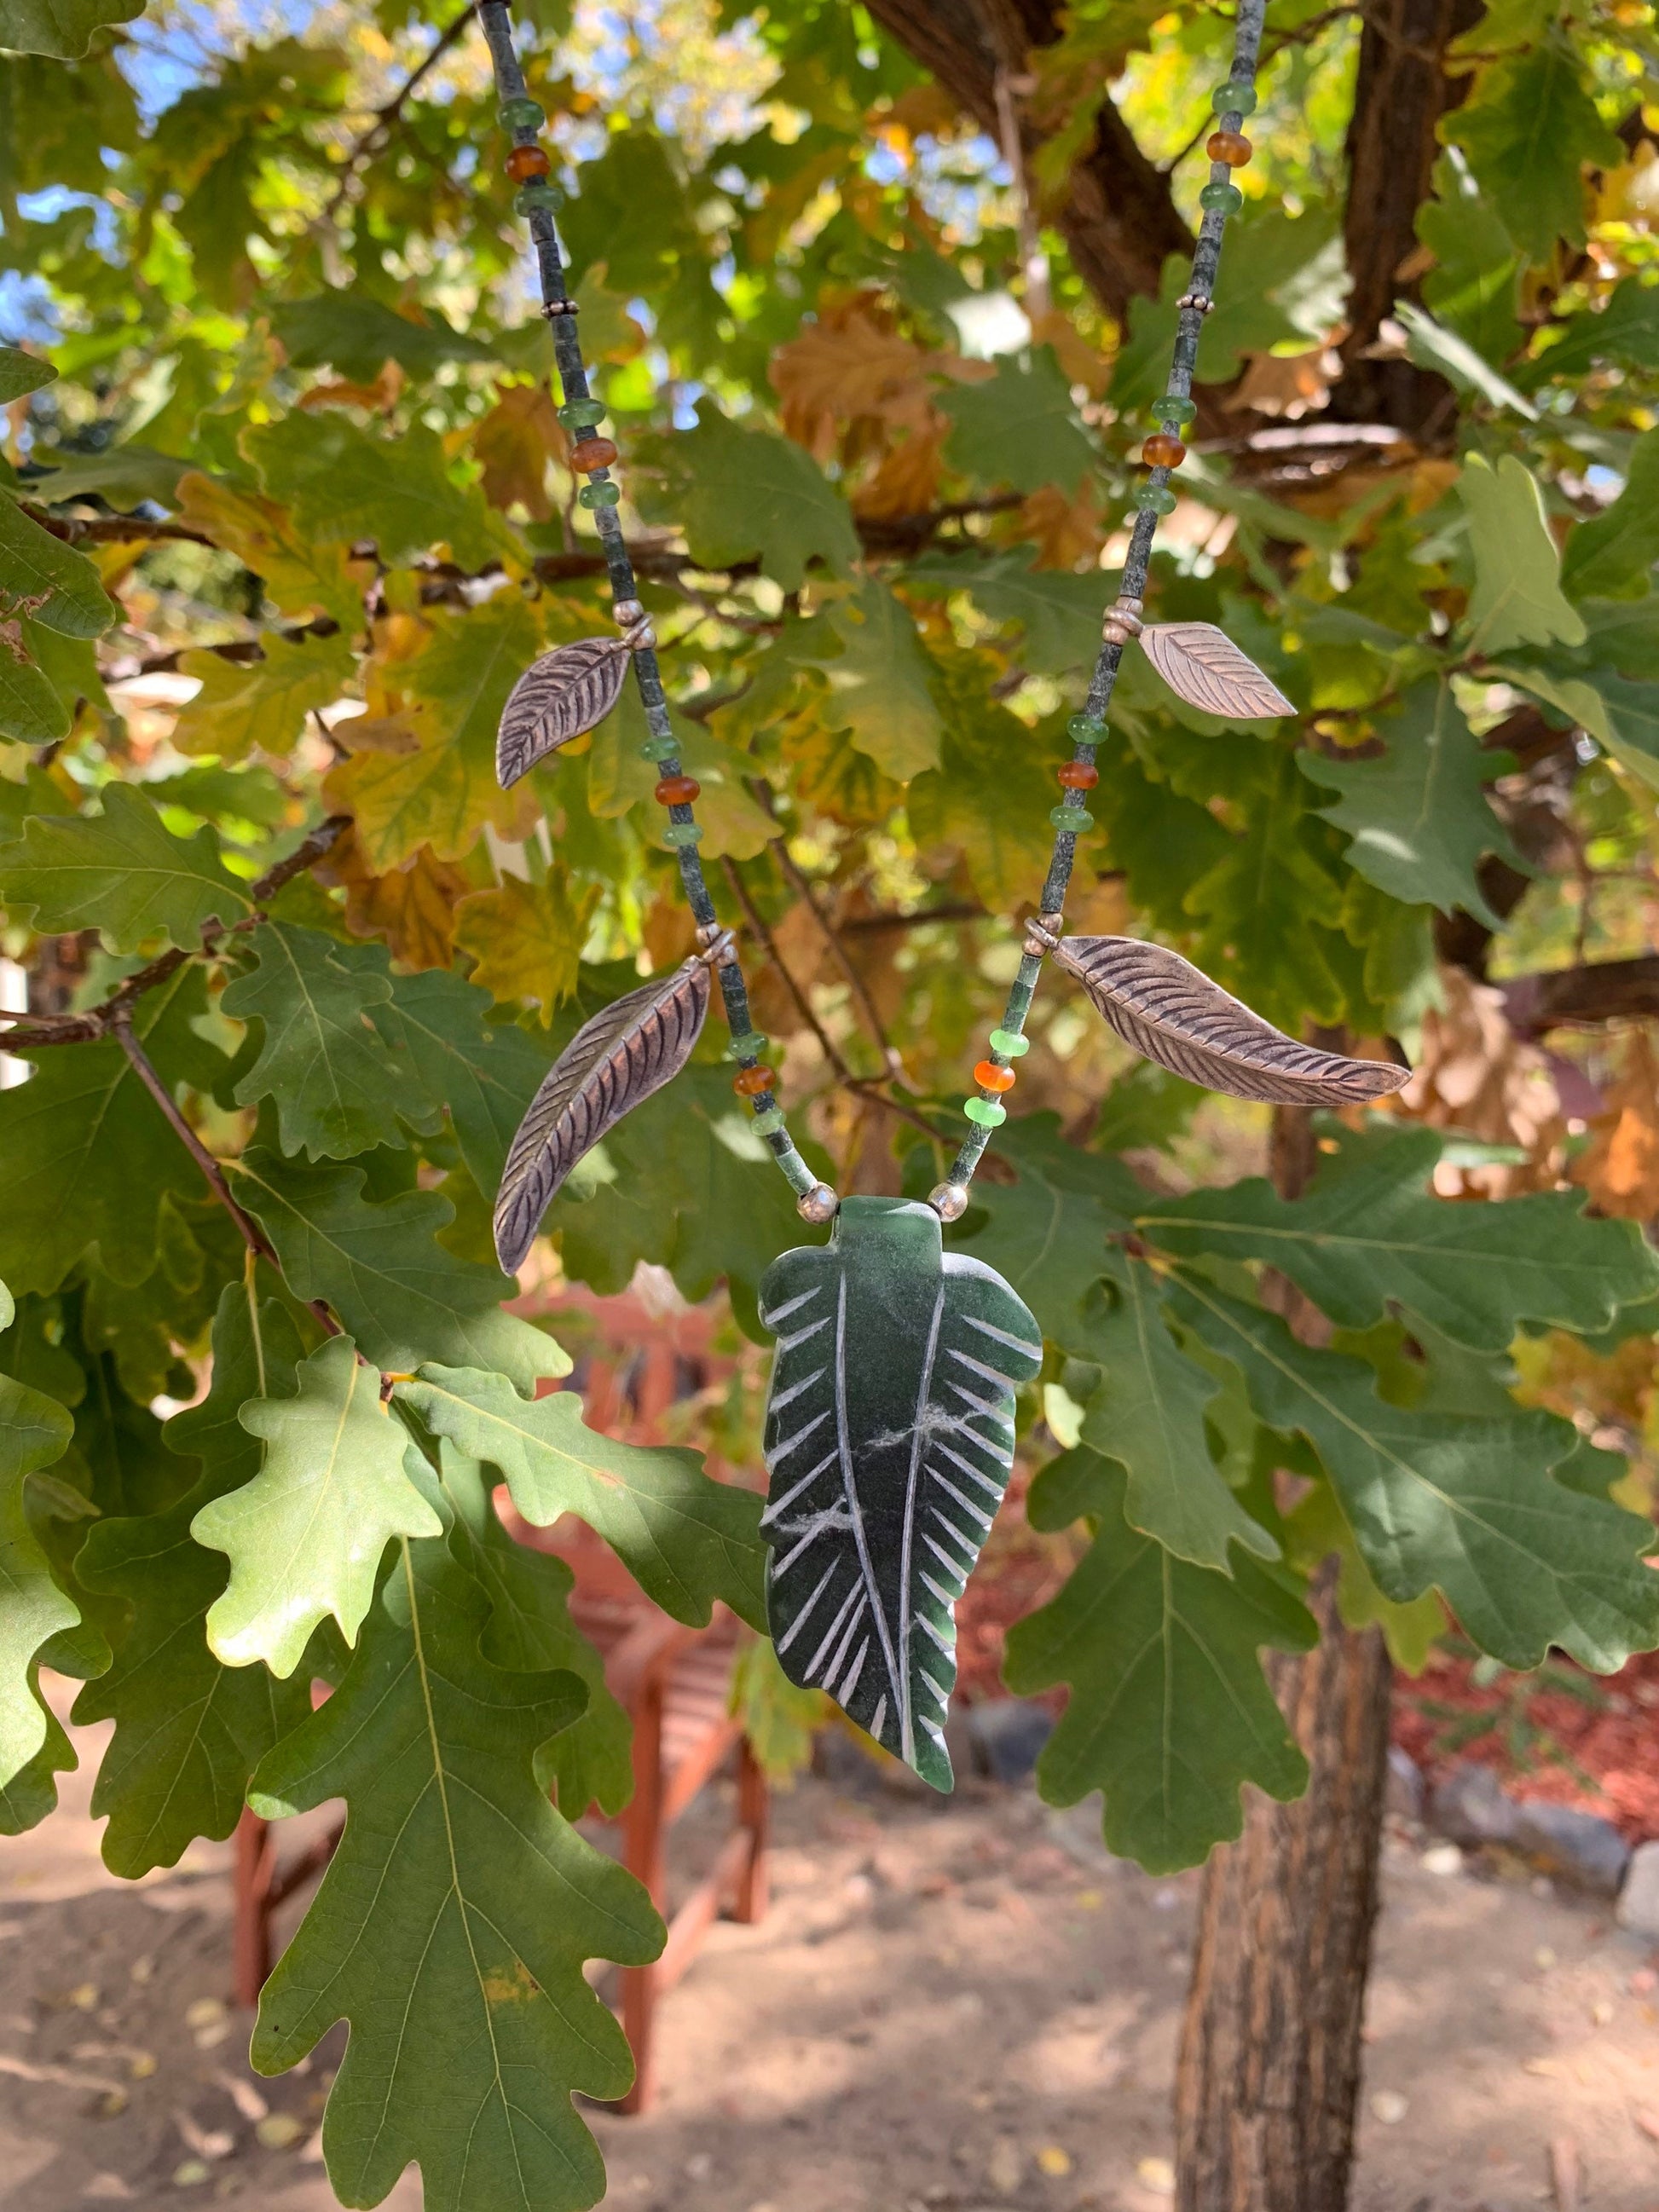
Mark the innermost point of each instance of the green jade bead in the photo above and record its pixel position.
(1221, 199)
(1231, 99)
(540, 194)
(603, 495)
(582, 413)
(522, 115)
(682, 832)
(751, 1045)
(659, 749)
(1172, 410)
(1071, 818)
(1009, 1044)
(769, 1121)
(1156, 499)
(1085, 729)
(985, 1111)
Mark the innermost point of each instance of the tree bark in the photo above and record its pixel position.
(1118, 218)
(1269, 2067)
(1268, 2074)
(1400, 93)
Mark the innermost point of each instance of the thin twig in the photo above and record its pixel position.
(838, 952)
(372, 140)
(768, 944)
(873, 924)
(212, 1173)
(102, 1020)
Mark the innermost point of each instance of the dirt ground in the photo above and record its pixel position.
(958, 2004)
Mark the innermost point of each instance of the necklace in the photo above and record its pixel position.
(889, 1421)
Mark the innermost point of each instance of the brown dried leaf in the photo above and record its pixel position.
(1172, 1012)
(1291, 385)
(628, 1050)
(1620, 1171)
(845, 365)
(1066, 530)
(1202, 665)
(1473, 1075)
(412, 908)
(514, 443)
(380, 398)
(906, 480)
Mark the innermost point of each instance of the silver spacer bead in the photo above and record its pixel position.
(818, 1204)
(1122, 621)
(719, 945)
(1201, 301)
(627, 613)
(554, 309)
(949, 1201)
(1043, 934)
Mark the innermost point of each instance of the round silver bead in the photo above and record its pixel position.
(627, 612)
(949, 1201)
(1201, 301)
(818, 1204)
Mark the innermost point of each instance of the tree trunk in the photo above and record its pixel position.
(1268, 2074)
(1270, 2059)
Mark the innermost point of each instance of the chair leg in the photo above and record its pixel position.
(643, 1856)
(755, 1817)
(252, 1937)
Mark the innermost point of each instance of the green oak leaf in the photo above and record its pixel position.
(34, 1432)
(61, 28)
(122, 872)
(189, 1730)
(1528, 133)
(1369, 1236)
(1045, 1233)
(1148, 1413)
(323, 1058)
(1619, 714)
(127, 475)
(1517, 597)
(1316, 1528)
(87, 1158)
(42, 577)
(879, 684)
(486, 1073)
(1418, 820)
(1615, 548)
(748, 494)
(454, 1921)
(1466, 1506)
(244, 705)
(1169, 1715)
(686, 1541)
(398, 1293)
(1060, 613)
(1430, 345)
(20, 372)
(1475, 283)
(305, 1537)
(1019, 427)
(356, 335)
(344, 484)
(591, 1761)
(1626, 329)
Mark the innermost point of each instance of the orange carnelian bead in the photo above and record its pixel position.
(1231, 147)
(526, 161)
(990, 1077)
(592, 454)
(1077, 775)
(678, 790)
(751, 1081)
(1161, 451)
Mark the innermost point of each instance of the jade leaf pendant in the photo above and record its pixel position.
(889, 1435)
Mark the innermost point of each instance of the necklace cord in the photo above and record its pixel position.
(594, 456)
(1220, 198)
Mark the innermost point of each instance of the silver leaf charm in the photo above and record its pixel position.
(630, 1048)
(1202, 665)
(564, 693)
(1172, 1012)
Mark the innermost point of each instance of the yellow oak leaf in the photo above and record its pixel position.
(527, 937)
(514, 443)
(243, 704)
(412, 908)
(441, 796)
(299, 578)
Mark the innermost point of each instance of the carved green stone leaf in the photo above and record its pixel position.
(890, 1435)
